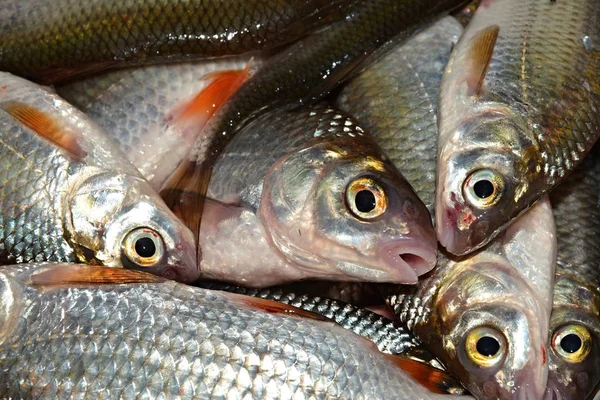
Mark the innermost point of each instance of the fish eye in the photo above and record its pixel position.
(572, 343)
(483, 188)
(485, 346)
(143, 247)
(366, 198)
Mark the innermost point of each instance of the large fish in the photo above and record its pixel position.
(67, 331)
(500, 297)
(321, 201)
(50, 41)
(150, 111)
(299, 75)
(519, 109)
(68, 195)
(574, 360)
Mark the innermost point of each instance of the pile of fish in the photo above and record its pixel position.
(292, 199)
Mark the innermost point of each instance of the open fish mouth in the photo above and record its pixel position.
(408, 257)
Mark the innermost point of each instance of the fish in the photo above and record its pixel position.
(574, 339)
(52, 42)
(65, 335)
(299, 75)
(145, 109)
(321, 202)
(68, 195)
(519, 110)
(501, 294)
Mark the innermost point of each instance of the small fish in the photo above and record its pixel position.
(152, 111)
(519, 109)
(76, 331)
(50, 42)
(67, 195)
(574, 340)
(320, 202)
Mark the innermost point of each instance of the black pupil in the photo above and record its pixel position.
(365, 201)
(483, 189)
(145, 247)
(570, 343)
(488, 346)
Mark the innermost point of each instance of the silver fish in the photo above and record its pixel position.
(574, 340)
(62, 338)
(321, 201)
(519, 110)
(67, 195)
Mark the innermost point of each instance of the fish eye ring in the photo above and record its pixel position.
(485, 346)
(483, 188)
(143, 247)
(366, 198)
(572, 343)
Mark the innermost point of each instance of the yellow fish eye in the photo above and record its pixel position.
(485, 346)
(483, 188)
(143, 247)
(572, 343)
(366, 198)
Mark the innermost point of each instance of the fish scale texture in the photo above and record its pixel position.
(174, 341)
(48, 41)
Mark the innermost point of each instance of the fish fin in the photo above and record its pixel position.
(274, 307)
(47, 127)
(90, 274)
(480, 56)
(434, 379)
(222, 85)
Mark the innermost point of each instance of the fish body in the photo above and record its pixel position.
(574, 339)
(285, 208)
(49, 42)
(67, 195)
(143, 108)
(519, 110)
(164, 339)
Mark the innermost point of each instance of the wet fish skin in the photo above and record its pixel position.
(139, 108)
(51, 42)
(61, 341)
(575, 203)
(76, 199)
(280, 212)
(513, 128)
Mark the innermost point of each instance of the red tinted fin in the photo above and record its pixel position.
(436, 380)
(273, 307)
(62, 274)
(480, 56)
(47, 127)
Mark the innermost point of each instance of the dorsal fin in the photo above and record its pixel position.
(76, 274)
(435, 380)
(47, 127)
(479, 57)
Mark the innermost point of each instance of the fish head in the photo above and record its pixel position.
(342, 212)
(493, 332)
(119, 221)
(574, 342)
(484, 180)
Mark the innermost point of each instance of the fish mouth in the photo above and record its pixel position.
(410, 258)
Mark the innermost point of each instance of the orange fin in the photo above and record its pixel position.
(480, 56)
(90, 274)
(47, 127)
(274, 307)
(436, 380)
(223, 84)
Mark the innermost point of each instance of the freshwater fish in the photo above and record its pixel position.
(574, 340)
(519, 109)
(299, 75)
(76, 331)
(49, 42)
(320, 202)
(68, 195)
(148, 110)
